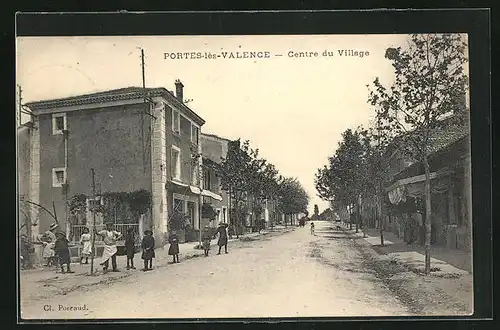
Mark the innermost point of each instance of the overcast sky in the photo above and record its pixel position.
(292, 109)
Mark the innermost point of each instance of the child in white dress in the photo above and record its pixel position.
(85, 240)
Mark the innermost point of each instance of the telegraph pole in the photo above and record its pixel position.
(28, 218)
(93, 224)
(142, 115)
(196, 161)
(143, 72)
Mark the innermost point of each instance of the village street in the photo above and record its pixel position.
(294, 274)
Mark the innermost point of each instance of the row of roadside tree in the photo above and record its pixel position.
(429, 84)
(252, 183)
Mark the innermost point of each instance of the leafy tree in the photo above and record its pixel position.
(344, 172)
(316, 210)
(429, 83)
(261, 177)
(327, 214)
(234, 174)
(77, 208)
(375, 141)
(293, 198)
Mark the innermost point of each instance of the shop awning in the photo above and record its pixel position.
(186, 187)
(213, 195)
(414, 186)
(195, 190)
(178, 183)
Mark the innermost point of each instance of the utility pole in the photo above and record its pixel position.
(93, 252)
(142, 115)
(143, 73)
(200, 212)
(28, 218)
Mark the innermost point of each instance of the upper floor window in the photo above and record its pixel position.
(176, 121)
(176, 162)
(206, 179)
(58, 123)
(195, 133)
(58, 177)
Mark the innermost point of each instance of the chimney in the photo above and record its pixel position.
(179, 90)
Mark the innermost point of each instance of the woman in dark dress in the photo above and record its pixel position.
(130, 248)
(61, 249)
(173, 250)
(222, 231)
(148, 249)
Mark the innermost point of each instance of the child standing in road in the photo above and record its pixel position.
(130, 248)
(206, 238)
(61, 249)
(148, 250)
(87, 246)
(173, 250)
(48, 250)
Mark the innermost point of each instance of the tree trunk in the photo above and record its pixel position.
(361, 223)
(428, 214)
(380, 218)
(357, 216)
(350, 218)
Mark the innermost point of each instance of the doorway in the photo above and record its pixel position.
(191, 212)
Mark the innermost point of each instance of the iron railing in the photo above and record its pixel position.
(77, 230)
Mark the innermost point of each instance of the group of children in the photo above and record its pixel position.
(56, 247)
(148, 245)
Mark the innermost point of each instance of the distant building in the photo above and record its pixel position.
(214, 150)
(135, 139)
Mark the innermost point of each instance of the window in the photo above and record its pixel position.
(176, 163)
(92, 203)
(58, 177)
(176, 122)
(191, 206)
(185, 126)
(206, 179)
(178, 205)
(224, 215)
(58, 123)
(194, 134)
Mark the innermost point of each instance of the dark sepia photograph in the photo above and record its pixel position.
(244, 176)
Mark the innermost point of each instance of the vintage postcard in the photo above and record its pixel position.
(249, 176)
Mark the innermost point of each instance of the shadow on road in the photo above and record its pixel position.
(340, 236)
